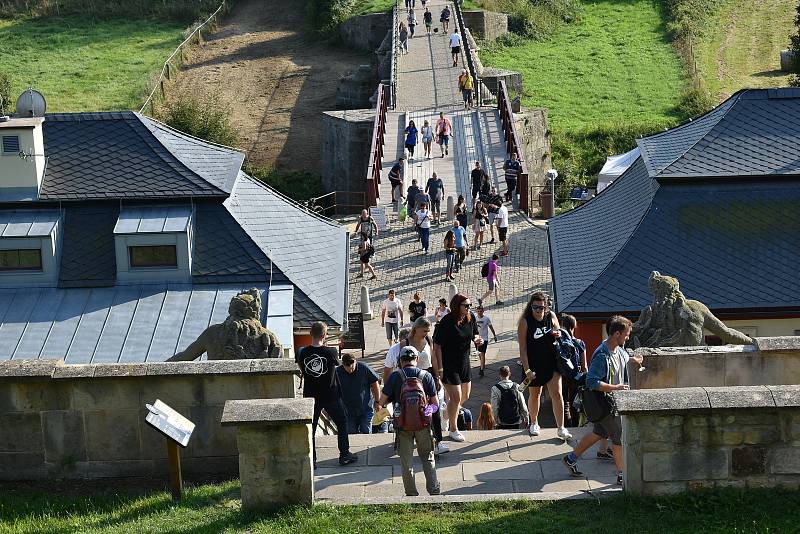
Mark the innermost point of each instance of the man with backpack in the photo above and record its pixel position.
(413, 392)
(574, 349)
(366, 227)
(508, 404)
(608, 372)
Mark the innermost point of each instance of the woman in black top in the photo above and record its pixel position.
(536, 333)
(461, 211)
(417, 307)
(452, 340)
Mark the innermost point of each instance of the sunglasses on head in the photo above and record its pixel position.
(537, 307)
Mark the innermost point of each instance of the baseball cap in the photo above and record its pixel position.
(408, 353)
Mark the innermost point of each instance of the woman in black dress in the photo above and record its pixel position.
(536, 332)
(417, 308)
(452, 340)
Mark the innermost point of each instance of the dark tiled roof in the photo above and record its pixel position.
(736, 247)
(756, 132)
(87, 247)
(113, 155)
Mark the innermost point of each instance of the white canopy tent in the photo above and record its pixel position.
(614, 167)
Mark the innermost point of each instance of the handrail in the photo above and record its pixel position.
(165, 69)
(513, 143)
(376, 148)
(468, 52)
(395, 45)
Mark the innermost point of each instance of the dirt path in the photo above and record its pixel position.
(276, 81)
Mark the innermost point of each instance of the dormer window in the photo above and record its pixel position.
(29, 247)
(154, 243)
(21, 259)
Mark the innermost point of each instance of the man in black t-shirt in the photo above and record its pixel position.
(318, 365)
(512, 167)
(493, 201)
(478, 176)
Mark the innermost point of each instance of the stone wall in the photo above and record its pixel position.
(366, 32)
(532, 127)
(690, 438)
(87, 421)
(356, 89)
(487, 25)
(771, 360)
(346, 138)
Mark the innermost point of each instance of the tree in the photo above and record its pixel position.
(795, 48)
(5, 92)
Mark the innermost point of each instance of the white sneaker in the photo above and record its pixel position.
(456, 436)
(534, 429)
(564, 434)
(441, 448)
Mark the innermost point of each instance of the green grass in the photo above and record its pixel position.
(81, 64)
(380, 6)
(216, 508)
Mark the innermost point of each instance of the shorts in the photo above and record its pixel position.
(444, 139)
(455, 50)
(491, 218)
(483, 347)
(502, 233)
(456, 373)
(491, 283)
(610, 427)
(392, 328)
(436, 206)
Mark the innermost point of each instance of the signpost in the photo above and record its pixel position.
(354, 337)
(178, 430)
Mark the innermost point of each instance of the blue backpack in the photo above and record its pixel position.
(568, 359)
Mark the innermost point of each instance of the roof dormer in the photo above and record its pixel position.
(22, 161)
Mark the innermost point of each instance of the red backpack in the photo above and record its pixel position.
(412, 403)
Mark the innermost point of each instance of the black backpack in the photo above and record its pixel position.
(566, 357)
(485, 270)
(508, 406)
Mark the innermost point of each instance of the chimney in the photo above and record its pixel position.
(22, 160)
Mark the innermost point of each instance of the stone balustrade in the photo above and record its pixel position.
(689, 438)
(275, 450)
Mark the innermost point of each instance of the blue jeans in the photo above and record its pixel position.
(425, 234)
(360, 424)
(451, 258)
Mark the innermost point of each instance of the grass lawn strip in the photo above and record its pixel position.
(85, 65)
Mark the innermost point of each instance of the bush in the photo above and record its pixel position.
(297, 185)
(5, 93)
(325, 16)
(695, 101)
(207, 119)
(795, 48)
(535, 19)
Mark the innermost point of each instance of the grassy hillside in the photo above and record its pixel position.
(81, 64)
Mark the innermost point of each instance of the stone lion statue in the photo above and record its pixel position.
(672, 320)
(241, 336)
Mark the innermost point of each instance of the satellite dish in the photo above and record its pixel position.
(31, 103)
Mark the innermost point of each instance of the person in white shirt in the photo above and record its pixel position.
(502, 228)
(424, 226)
(441, 310)
(484, 325)
(455, 46)
(392, 317)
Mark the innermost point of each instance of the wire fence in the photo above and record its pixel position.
(173, 62)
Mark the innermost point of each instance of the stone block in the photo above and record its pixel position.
(275, 365)
(268, 411)
(754, 368)
(63, 437)
(657, 400)
(106, 394)
(112, 435)
(779, 343)
(748, 461)
(218, 466)
(687, 464)
(761, 434)
(695, 370)
(488, 25)
(787, 396)
(22, 465)
(784, 461)
(662, 488)
(740, 397)
(28, 368)
(21, 432)
(172, 390)
(113, 370)
(115, 469)
(34, 395)
(660, 372)
(74, 371)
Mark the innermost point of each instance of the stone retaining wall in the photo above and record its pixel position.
(690, 438)
(87, 421)
(366, 32)
(771, 360)
(487, 25)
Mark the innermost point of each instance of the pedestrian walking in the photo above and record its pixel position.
(396, 179)
(424, 226)
(412, 390)
(444, 129)
(403, 37)
(392, 317)
(484, 325)
(412, 193)
(427, 139)
(427, 17)
(358, 385)
(460, 211)
(502, 228)
(512, 168)
(318, 368)
(462, 251)
(455, 46)
(411, 139)
(493, 202)
(444, 18)
(435, 189)
(479, 218)
(536, 332)
(477, 177)
(608, 371)
(453, 338)
(365, 253)
(465, 84)
(441, 309)
(508, 403)
(412, 23)
(417, 308)
(569, 389)
(410, 4)
(366, 226)
(493, 280)
(450, 255)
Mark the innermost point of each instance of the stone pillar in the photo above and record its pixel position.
(346, 138)
(366, 306)
(451, 208)
(275, 450)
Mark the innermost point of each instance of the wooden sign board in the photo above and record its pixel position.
(169, 422)
(354, 337)
(379, 216)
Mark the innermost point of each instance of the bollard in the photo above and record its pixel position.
(366, 307)
(451, 291)
(451, 208)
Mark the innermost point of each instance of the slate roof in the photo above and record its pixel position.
(756, 132)
(732, 243)
(310, 250)
(87, 250)
(123, 155)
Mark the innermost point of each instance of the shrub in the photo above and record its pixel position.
(695, 101)
(5, 93)
(206, 119)
(325, 16)
(795, 48)
(297, 185)
(535, 19)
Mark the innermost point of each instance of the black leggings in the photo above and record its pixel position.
(436, 421)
